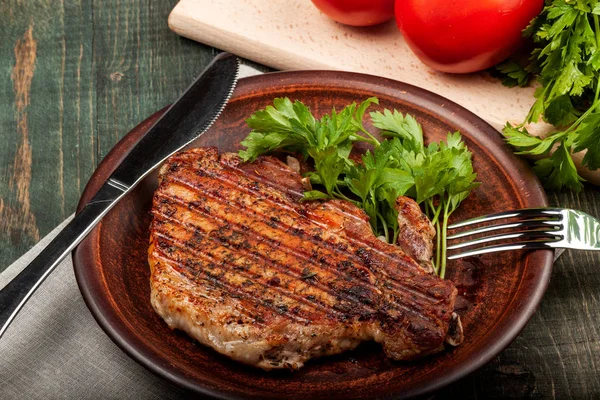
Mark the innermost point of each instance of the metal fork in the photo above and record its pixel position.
(534, 228)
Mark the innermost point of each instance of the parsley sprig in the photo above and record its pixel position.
(566, 62)
(439, 176)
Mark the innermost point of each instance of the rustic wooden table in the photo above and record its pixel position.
(77, 75)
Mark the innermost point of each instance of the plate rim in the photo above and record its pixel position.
(247, 87)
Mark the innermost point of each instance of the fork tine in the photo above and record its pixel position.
(531, 224)
(528, 235)
(528, 244)
(527, 212)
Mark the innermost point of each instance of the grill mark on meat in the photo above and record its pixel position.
(311, 302)
(207, 189)
(397, 282)
(344, 296)
(324, 261)
(241, 227)
(233, 165)
(181, 276)
(256, 320)
(241, 186)
(256, 256)
(406, 289)
(235, 291)
(296, 192)
(282, 269)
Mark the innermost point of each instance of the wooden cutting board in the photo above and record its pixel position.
(294, 35)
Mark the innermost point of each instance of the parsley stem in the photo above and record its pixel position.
(530, 117)
(597, 92)
(385, 228)
(586, 113)
(437, 246)
(372, 140)
(337, 193)
(396, 232)
(435, 212)
(597, 31)
(442, 268)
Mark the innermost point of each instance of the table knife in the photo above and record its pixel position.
(186, 119)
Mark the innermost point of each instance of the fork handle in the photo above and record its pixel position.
(16, 293)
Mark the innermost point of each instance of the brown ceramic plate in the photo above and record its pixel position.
(498, 293)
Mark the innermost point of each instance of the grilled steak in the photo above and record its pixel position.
(241, 265)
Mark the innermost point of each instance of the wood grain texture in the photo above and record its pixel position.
(139, 67)
(76, 76)
(103, 66)
(22, 74)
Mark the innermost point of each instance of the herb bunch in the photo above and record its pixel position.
(566, 61)
(438, 176)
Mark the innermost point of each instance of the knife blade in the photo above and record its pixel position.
(186, 119)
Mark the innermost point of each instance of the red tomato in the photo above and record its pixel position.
(357, 12)
(464, 35)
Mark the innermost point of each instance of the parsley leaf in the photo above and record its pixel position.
(394, 124)
(558, 170)
(439, 176)
(512, 74)
(379, 180)
(589, 139)
(566, 61)
(292, 127)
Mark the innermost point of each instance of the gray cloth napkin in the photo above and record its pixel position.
(54, 349)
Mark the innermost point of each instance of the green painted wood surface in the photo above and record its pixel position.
(76, 76)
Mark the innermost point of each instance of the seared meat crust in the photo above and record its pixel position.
(241, 265)
(415, 232)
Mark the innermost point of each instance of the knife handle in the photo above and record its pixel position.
(16, 293)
